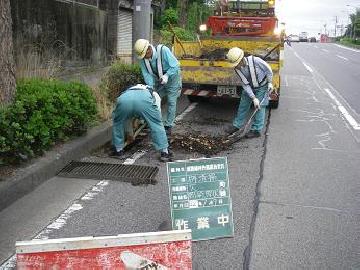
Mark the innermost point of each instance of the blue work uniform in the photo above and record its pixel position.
(138, 101)
(163, 62)
(255, 77)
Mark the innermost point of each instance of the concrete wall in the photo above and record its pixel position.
(79, 32)
(76, 32)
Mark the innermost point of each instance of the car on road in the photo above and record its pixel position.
(303, 37)
(312, 39)
(294, 38)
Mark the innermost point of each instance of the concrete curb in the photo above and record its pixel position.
(42, 169)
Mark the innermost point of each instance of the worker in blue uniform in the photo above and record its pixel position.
(139, 101)
(256, 80)
(161, 70)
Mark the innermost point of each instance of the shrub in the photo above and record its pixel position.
(119, 77)
(44, 112)
(181, 33)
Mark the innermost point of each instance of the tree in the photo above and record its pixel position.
(7, 64)
(182, 7)
(355, 24)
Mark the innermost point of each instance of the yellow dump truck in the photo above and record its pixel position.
(205, 71)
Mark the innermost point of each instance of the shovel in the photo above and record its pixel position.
(238, 135)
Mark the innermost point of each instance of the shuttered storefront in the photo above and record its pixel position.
(124, 41)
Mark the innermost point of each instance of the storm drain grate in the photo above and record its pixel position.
(136, 174)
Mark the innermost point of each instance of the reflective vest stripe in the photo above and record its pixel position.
(158, 63)
(255, 83)
(148, 66)
(254, 80)
(242, 77)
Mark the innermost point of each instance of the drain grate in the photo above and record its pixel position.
(136, 174)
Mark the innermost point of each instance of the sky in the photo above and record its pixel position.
(311, 15)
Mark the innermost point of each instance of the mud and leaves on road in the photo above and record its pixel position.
(206, 145)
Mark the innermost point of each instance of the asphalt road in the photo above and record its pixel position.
(309, 196)
(295, 191)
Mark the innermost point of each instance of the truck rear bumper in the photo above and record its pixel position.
(203, 90)
(211, 91)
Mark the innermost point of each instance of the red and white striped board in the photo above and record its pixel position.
(200, 93)
(141, 251)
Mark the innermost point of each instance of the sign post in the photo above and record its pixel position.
(200, 197)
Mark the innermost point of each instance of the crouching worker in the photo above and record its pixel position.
(139, 101)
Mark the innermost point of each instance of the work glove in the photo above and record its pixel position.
(270, 87)
(164, 79)
(256, 103)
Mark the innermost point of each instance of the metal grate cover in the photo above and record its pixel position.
(136, 174)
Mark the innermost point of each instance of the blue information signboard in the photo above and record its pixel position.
(200, 197)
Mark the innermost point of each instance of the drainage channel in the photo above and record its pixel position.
(136, 174)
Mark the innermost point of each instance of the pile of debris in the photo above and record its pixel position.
(205, 145)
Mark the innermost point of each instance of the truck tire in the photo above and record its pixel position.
(273, 104)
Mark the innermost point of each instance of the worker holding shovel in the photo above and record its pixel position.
(256, 80)
(161, 70)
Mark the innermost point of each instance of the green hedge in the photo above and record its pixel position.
(119, 77)
(354, 43)
(44, 112)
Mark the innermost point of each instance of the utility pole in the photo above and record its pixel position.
(141, 21)
(336, 21)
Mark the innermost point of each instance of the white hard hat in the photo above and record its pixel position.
(235, 55)
(140, 47)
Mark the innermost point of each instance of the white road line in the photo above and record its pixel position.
(325, 50)
(286, 81)
(316, 47)
(344, 112)
(347, 48)
(308, 67)
(303, 62)
(342, 57)
(9, 263)
(184, 113)
(134, 157)
(62, 219)
(341, 107)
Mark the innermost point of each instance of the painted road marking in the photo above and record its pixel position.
(325, 50)
(308, 67)
(347, 48)
(303, 62)
(131, 160)
(343, 111)
(342, 57)
(184, 113)
(341, 107)
(316, 47)
(286, 81)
